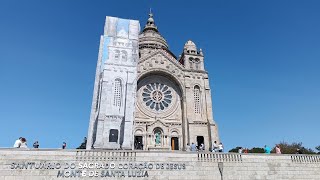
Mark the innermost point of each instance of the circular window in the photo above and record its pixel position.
(157, 96)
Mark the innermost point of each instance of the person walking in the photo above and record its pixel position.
(278, 150)
(17, 143)
(36, 145)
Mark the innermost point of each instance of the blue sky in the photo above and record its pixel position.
(263, 58)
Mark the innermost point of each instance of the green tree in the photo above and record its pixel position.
(256, 150)
(318, 149)
(287, 148)
(234, 150)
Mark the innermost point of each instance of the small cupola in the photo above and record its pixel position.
(190, 47)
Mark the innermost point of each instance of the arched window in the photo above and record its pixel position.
(196, 96)
(117, 93)
(116, 55)
(197, 63)
(191, 62)
(124, 55)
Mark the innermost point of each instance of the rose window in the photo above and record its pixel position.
(157, 96)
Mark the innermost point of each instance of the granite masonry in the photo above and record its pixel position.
(16, 164)
(144, 96)
(112, 112)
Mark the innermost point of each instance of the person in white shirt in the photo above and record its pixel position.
(188, 147)
(214, 146)
(240, 150)
(220, 147)
(23, 143)
(17, 143)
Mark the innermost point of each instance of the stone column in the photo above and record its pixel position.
(162, 140)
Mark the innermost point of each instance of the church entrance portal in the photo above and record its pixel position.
(138, 142)
(200, 140)
(113, 136)
(174, 143)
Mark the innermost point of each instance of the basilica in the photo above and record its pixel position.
(144, 96)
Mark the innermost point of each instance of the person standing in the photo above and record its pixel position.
(188, 147)
(267, 150)
(240, 150)
(17, 143)
(36, 145)
(278, 150)
(64, 145)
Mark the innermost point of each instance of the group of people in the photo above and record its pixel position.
(267, 150)
(22, 143)
(215, 147)
(192, 147)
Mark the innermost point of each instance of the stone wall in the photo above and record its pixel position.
(18, 164)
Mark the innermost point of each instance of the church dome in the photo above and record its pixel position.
(150, 36)
(190, 46)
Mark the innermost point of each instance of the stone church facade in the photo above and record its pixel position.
(144, 96)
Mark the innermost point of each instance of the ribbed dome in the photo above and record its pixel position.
(150, 36)
(190, 46)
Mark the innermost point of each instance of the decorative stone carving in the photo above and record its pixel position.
(157, 96)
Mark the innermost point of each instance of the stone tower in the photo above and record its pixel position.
(113, 104)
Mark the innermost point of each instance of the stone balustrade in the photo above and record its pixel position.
(43, 164)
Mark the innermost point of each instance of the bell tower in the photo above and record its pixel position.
(191, 57)
(113, 102)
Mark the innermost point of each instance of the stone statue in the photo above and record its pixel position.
(158, 138)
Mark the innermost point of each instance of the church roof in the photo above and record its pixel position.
(150, 36)
(189, 45)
